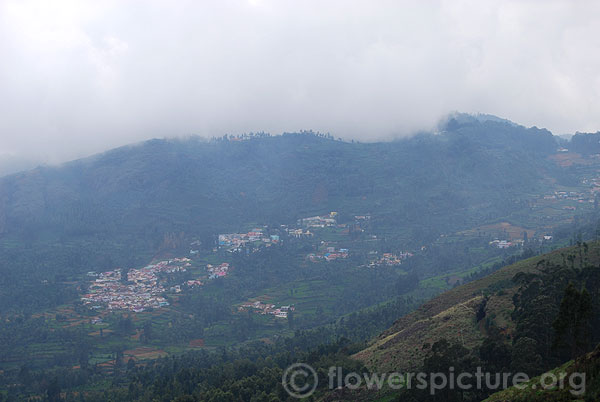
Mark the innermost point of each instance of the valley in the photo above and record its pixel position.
(222, 274)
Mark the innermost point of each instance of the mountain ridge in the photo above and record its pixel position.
(117, 208)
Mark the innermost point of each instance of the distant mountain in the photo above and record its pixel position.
(11, 164)
(117, 208)
(432, 194)
(174, 185)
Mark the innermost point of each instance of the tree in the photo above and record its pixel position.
(525, 357)
(53, 390)
(444, 358)
(147, 332)
(125, 325)
(124, 273)
(572, 327)
(584, 317)
(495, 354)
(290, 319)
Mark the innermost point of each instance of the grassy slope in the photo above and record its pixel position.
(452, 315)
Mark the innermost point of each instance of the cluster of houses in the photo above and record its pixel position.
(145, 287)
(329, 220)
(234, 242)
(192, 283)
(299, 233)
(142, 291)
(517, 242)
(594, 183)
(361, 221)
(266, 309)
(579, 197)
(391, 259)
(505, 243)
(217, 271)
(329, 254)
(318, 221)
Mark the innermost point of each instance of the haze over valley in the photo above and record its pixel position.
(279, 201)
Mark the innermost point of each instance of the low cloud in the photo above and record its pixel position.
(79, 77)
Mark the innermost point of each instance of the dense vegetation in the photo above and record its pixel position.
(556, 315)
(586, 144)
(122, 207)
(431, 194)
(253, 372)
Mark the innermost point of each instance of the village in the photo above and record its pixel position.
(266, 309)
(256, 238)
(218, 271)
(580, 197)
(253, 240)
(502, 244)
(329, 254)
(390, 259)
(318, 221)
(299, 233)
(142, 291)
(145, 287)
(505, 243)
(586, 195)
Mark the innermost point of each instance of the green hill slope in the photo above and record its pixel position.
(178, 185)
(460, 315)
(117, 208)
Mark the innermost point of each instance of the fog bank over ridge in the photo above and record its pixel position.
(81, 77)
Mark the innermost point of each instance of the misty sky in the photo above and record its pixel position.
(79, 77)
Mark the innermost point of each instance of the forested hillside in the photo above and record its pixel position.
(528, 317)
(172, 228)
(513, 321)
(122, 268)
(124, 206)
